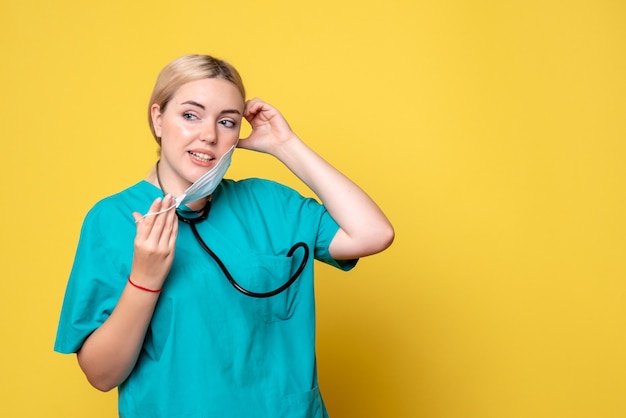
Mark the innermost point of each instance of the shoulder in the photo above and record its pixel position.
(264, 194)
(259, 188)
(256, 195)
(254, 184)
(116, 210)
(133, 198)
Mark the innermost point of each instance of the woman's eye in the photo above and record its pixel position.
(189, 116)
(228, 123)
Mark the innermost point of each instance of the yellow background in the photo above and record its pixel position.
(492, 133)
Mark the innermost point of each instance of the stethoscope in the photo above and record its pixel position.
(203, 215)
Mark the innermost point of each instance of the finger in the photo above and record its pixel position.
(243, 143)
(170, 222)
(173, 233)
(252, 108)
(144, 225)
(254, 102)
(160, 219)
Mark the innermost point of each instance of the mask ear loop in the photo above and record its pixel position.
(157, 213)
(163, 210)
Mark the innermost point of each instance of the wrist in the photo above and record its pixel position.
(143, 288)
(288, 149)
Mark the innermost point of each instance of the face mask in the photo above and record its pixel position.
(206, 184)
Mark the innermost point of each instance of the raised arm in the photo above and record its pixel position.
(364, 228)
(109, 354)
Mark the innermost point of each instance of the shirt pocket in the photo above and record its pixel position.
(267, 273)
(303, 405)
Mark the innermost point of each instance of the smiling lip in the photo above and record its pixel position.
(201, 157)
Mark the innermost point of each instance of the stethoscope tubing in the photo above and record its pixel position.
(192, 223)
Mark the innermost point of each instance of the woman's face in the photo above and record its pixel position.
(200, 123)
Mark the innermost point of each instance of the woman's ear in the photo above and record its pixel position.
(155, 113)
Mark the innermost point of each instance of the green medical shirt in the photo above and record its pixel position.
(211, 351)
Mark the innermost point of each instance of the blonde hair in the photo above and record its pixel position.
(185, 69)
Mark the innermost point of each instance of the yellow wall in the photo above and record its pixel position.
(493, 134)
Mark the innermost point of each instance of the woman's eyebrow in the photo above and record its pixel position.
(193, 103)
(201, 106)
(230, 111)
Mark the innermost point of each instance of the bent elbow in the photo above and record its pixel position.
(368, 242)
(102, 383)
(102, 386)
(390, 237)
(377, 241)
(385, 238)
(100, 380)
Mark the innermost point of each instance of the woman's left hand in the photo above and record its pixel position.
(269, 128)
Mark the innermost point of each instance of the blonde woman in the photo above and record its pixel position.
(201, 304)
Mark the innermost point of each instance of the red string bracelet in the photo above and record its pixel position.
(143, 288)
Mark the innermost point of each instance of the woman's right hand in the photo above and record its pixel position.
(109, 354)
(155, 243)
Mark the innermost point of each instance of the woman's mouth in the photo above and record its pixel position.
(201, 156)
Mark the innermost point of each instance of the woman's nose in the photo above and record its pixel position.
(208, 133)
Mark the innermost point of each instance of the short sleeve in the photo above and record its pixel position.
(97, 278)
(308, 215)
(326, 232)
